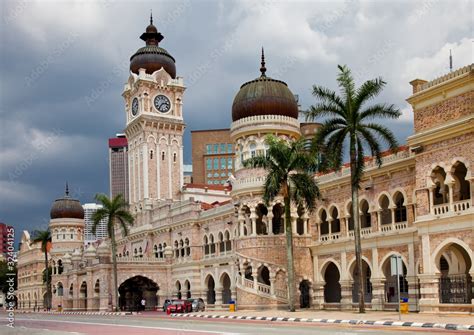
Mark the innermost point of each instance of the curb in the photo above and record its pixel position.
(78, 313)
(448, 326)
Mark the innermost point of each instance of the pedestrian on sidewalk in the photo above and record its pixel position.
(143, 302)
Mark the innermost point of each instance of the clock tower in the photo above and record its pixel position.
(154, 115)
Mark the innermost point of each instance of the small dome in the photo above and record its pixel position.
(67, 208)
(152, 57)
(103, 248)
(264, 96)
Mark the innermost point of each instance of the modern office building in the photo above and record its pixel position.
(213, 156)
(6, 237)
(118, 166)
(101, 231)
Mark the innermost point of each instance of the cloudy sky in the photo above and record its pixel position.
(63, 66)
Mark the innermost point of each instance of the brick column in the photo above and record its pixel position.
(429, 290)
(378, 292)
(346, 294)
(270, 222)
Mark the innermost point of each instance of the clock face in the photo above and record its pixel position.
(135, 107)
(162, 103)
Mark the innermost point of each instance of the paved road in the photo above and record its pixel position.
(42, 324)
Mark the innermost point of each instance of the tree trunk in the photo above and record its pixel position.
(289, 252)
(355, 215)
(114, 264)
(48, 287)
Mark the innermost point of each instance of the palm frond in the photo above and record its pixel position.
(384, 134)
(346, 84)
(372, 143)
(323, 109)
(380, 111)
(367, 91)
(326, 95)
(305, 190)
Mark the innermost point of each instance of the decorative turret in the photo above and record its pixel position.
(264, 96)
(151, 57)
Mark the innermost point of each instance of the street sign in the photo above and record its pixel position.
(395, 262)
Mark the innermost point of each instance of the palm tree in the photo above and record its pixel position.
(44, 237)
(287, 166)
(349, 118)
(116, 212)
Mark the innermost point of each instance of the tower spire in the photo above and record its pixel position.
(263, 69)
(67, 189)
(151, 16)
(450, 61)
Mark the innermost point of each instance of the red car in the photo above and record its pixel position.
(179, 306)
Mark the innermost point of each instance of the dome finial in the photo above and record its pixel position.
(151, 16)
(263, 69)
(67, 189)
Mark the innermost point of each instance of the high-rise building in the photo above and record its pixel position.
(118, 166)
(213, 156)
(5, 236)
(101, 231)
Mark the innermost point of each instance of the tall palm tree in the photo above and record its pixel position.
(287, 166)
(348, 118)
(116, 212)
(44, 237)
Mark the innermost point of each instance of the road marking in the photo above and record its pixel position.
(131, 326)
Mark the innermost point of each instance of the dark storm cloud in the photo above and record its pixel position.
(63, 66)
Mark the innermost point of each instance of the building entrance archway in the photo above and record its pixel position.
(134, 289)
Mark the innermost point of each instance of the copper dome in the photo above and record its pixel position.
(151, 57)
(264, 96)
(67, 208)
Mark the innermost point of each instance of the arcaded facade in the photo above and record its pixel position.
(417, 205)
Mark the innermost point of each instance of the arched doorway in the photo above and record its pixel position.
(187, 287)
(391, 292)
(366, 274)
(83, 296)
(261, 224)
(305, 296)
(211, 292)
(178, 290)
(455, 283)
(226, 294)
(96, 298)
(263, 275)
(278, 222)
(133, 290)
(332, 288)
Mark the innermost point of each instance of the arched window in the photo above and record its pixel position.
(400, 209)
(181, 246)
(176, 249)
(212, 244)
(155, 251)
(253, 149)
(162, 155)
(60, 267)
(221, 242)
(385, 212)
(174, 157)
(206, 246)
(365, 220)
(228, 243)
(335, 222)
(188, 248)
(151, 154)
(60, 289)
(140, 252)
(324, 223)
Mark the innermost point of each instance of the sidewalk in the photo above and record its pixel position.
(455, 321)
